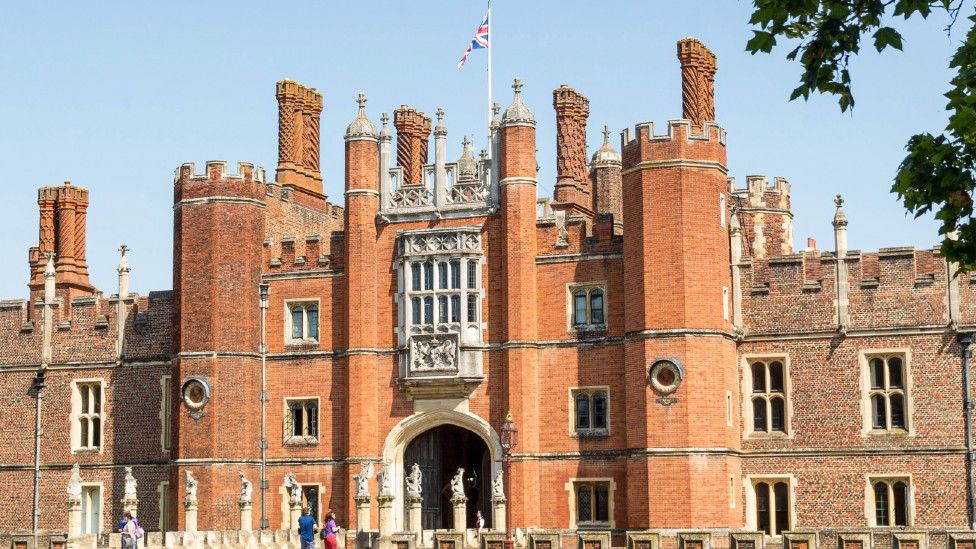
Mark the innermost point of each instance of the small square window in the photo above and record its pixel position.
(587, 306)
(590, 411)
(303, 320)
(301, 421)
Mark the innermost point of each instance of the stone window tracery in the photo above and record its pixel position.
(886, 393)
(587, 306)
(590, 411)
(889, 501)
(86, 429)
(767, 398)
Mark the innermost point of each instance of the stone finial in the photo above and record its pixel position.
(495, 119)
(123, 270)
(467, 165)
(361, 127)
(440, 129)
(49, 278)
(385, 130)
(606, 154)
(698, 67)
(840, 219)
(517, 113)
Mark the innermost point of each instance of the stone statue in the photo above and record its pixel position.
(457, 484)
(385, 480)
(191, 488)
(130, 486)
(362, 479)
(294, 489)
(74, 483)
(413, 482)
(246, 489)
(498, 487)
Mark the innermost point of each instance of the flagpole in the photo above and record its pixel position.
(491, 46)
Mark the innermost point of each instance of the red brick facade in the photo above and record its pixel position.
(688, 281)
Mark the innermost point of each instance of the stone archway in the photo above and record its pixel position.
(403, 433)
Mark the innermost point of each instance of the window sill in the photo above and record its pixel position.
(763, 435)
(591, 433)
(96, 450)
(884, 433)
(302, 343)
(593, 525)
(587, 328)
(301, 441)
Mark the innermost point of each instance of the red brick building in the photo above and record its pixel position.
(674, 366)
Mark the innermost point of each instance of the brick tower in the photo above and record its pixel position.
(219, 226)
(362, 204)
(518, 182)
(679, 351)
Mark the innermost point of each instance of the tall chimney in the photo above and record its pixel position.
(698, 66)
(299, 111)
(572, 175)
(413, 133)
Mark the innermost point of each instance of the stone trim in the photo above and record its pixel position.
(702, 540)
(294, 275)
(518, 181)
(919, 537)
(574, 258)
(747, 540)
(676, 163)
(645, 540)
(793, 540)
(218, 200)
(862, 537)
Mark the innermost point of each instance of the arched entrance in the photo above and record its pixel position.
(440, 451)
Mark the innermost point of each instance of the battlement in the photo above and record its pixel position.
(677, 129)
(892, 287)
(759, 192)
(217, 170)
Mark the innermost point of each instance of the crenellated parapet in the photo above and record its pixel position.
(763, 211)
(681, 144)
(889, 289)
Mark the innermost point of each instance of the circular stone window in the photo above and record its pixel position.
(665, 375)
(196, 393)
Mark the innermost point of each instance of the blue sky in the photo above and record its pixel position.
(114, 96)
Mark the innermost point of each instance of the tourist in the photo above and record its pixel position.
(128, 531)
(331, 531)
(307, 528)
(479, 521)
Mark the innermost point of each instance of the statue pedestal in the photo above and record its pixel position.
(386, 516)
(190, 518)
(245, 515)
(460, 505)
(414, 524)
(74, 518)
(131, 505)
(294, 513)
(498, 514)
(362, 514)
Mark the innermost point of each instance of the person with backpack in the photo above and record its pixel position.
(128, 531)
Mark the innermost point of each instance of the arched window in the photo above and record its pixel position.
(587, 306)
(887, 395)
(769, 406)
(773, 507)
(891, 502)
(596, 307)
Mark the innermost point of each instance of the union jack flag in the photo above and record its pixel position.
(479, 41)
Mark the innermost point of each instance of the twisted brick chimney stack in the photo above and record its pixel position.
(413, 133)
(64, 212)
(572, 174)
(299, 109)
(698, 66)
